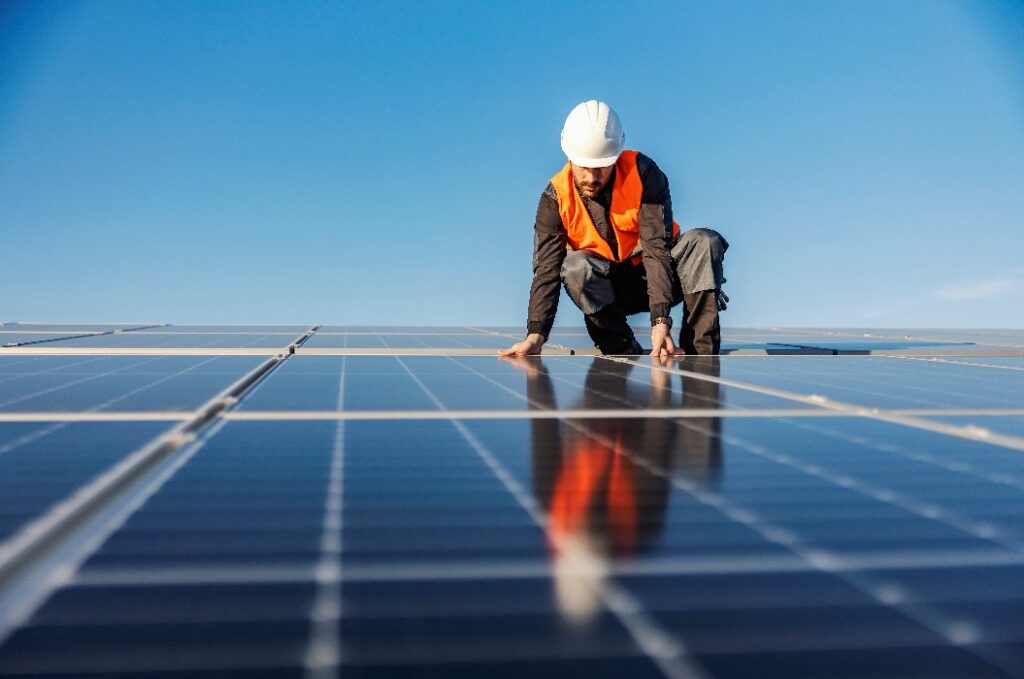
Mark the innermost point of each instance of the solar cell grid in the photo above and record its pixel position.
(124, 383)
(407, 341)
(75, 328)
(388, 383)
(35, 339)
(880, 382)
(180, 340)
(43, 463)
(570, 516)
(227, 329)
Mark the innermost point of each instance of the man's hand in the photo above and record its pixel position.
(530, 366)
(529, 346)
(661, 341)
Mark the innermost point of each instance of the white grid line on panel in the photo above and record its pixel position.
(981, 433)
(391, 571)
(323, 653)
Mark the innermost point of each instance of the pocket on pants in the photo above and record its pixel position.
(587, 281)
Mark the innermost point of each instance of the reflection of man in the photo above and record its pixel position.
(605, 482)
(585, 471)
(609, 476)
(604, 229)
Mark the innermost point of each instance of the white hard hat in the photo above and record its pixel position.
(592, 135)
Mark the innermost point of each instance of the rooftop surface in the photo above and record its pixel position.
(365, 501)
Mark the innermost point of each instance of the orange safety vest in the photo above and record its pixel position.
(627, 192)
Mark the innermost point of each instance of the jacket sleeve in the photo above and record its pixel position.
(549, 239)
(656, 235)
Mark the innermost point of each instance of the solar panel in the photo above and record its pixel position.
(452, 514)
(10, 339)
(43, 462)
(477, 383)
(123, 383)
(75, 328)
(175, 340)
(228, 329)
(450, 342)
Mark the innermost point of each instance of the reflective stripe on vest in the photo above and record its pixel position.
(627, 192)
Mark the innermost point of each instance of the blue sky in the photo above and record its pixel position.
(381, 162)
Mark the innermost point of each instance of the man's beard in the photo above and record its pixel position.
(590, 191)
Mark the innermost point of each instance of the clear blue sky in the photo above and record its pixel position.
(378, 162)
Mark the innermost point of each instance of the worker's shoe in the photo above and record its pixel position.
(626, 347)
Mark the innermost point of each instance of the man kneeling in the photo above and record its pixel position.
(604, 230)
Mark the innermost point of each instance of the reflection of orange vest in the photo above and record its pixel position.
(590, 470)
(627, 192)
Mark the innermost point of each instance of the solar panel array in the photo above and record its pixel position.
(366, 501)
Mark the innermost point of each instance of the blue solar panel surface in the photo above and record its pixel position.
(41, 463)
(175, 340)
(456, 515)
(99, 383)
(477, 383)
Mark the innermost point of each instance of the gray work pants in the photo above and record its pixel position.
(606, 292)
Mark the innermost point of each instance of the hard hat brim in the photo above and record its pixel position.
(593, 162)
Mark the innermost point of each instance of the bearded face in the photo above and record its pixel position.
(590, 181)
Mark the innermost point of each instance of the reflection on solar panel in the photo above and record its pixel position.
(354, 500)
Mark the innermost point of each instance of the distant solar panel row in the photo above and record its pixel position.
(355, 338)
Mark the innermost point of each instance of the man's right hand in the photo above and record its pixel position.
(531, 345)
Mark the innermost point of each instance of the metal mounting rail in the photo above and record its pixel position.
(37, 558)
(302, 339)
(73, 335)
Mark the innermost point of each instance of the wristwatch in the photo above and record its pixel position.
(667, 320)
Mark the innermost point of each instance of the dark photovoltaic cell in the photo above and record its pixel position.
(120, 383)
(42, 463)
(248, 470)
(781, 538)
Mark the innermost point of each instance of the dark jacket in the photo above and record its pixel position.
(549, 241)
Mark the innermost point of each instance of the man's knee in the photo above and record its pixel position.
(701, 241)
(587, 281)
(698, 257)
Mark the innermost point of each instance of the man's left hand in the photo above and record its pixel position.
(661, 340)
